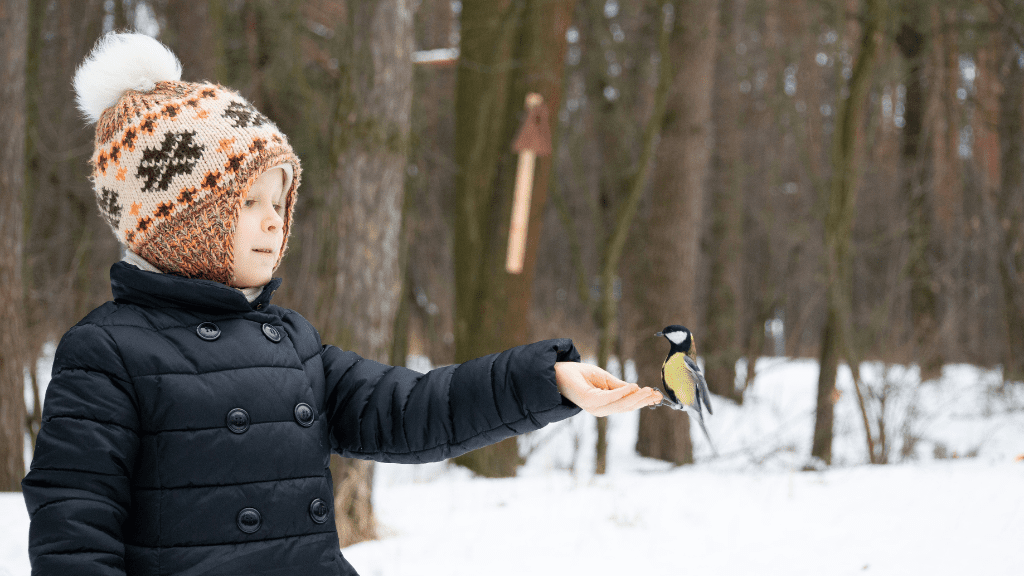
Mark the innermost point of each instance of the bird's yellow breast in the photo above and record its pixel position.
(677, 377)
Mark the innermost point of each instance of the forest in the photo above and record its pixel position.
(838, 180)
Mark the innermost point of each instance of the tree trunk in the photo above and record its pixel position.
(344, 98)
(13, 55)
(917, 196)
(492, 306)
(1010, 210)
(678, 191)
(68, 250)
(721, 346)
(366, 199)
(192, 32)
(842, 191)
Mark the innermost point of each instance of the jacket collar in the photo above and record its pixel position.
(132, 285)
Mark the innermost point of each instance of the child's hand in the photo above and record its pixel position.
(598, 392)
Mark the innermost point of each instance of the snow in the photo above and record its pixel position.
(951, 502)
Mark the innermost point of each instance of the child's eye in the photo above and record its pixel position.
(279, 208)
(248, 203)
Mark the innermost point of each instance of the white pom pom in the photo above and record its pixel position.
(118, 63)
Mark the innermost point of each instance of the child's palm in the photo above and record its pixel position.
(598, 392)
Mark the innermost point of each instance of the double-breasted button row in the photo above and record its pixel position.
(209, 331)
(249, 520)
(238, 419)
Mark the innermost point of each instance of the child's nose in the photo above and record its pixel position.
(272, 222)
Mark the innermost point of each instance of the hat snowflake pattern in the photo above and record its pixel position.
(173, 160)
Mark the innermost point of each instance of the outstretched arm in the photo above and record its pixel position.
(392, 414)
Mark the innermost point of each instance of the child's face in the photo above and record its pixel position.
(260, 230)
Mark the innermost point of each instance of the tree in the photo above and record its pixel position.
(193, 31)
(912, 41)
(1010, 205)
(508, 48)
(364, 208)
(623, 162)
(679, 185)
(13, 55)
(836, 338)
(336, 76)
(68, 249)
(721, 345)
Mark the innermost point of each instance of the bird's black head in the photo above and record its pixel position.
(679, 336)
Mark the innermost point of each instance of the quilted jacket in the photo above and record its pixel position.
(186, 431)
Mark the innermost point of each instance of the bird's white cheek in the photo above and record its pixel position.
(677, 337)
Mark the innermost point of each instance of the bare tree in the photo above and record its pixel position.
(370, 144)
(836, 336)
(68, 249)
(336, 76)
(721, 341)
(678, 190)
(13, 55)
(1009, 206)
(507, 49)
(626, 160)
(192, 30)
(913, 42)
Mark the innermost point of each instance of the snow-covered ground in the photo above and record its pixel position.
(951, 503)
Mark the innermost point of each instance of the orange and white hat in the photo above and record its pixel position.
(173, 160)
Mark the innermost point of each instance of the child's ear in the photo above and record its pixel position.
(288, 173)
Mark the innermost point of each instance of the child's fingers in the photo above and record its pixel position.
(630, 402)
(605, 397)
(635, 401)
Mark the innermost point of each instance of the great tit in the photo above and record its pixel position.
(685, 387)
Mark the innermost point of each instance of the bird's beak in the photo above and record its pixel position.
(658, 334)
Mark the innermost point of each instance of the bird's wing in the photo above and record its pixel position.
(703, 395)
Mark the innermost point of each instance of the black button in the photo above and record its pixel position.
(208, 331)
(238, 420)
(304, 414)
(249, 520)
(319, 511)
(272, 334)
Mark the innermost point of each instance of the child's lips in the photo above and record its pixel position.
(266, 251)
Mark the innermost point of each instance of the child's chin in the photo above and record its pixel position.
(251, 279)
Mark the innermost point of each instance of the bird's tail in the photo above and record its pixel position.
(700, 420)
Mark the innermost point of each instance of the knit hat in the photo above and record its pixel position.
(173, 160)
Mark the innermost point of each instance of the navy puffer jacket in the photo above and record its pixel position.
(187, 431)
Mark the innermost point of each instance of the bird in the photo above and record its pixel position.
(684, 384)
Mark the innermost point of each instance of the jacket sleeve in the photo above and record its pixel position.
(77, 490)
(393, 414)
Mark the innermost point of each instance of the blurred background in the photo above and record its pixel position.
(834, 180)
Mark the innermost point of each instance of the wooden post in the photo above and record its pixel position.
(534, 139)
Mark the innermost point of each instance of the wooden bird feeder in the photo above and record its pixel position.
(533, 139)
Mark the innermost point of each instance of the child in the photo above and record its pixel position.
(188, 424)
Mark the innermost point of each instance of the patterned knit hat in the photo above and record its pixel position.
(172, 159)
